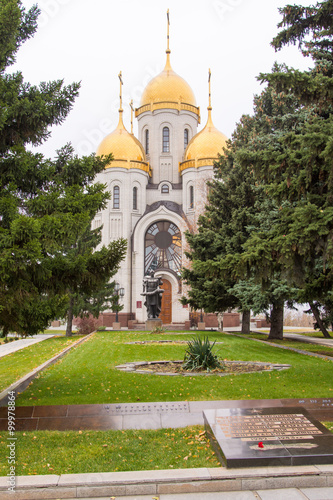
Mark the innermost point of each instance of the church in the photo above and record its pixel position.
(158, 186)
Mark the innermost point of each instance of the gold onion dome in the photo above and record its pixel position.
(167, 88)
(205, 147)
(168, 91)
(127, 151)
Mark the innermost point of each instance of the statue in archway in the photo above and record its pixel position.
(152, 291)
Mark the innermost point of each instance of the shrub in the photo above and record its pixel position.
(158, 329)
(101, 328)
(199, 355)
(86, 325)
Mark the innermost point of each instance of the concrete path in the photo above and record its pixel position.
(309, 340)
(17, 345)
(264, 483)
(279, 494)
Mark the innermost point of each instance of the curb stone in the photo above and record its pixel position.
(202, 480)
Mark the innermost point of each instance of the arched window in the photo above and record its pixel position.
(116, 197)
(135, 198)
(191, 204)
(165, 188)
(166, 140)
(185, 138)
(163, 247)
(147, 142)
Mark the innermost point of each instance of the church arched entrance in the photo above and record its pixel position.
(166, 306)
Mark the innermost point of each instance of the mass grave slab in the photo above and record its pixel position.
(268, 436)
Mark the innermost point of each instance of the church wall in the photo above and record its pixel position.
(195, 178)
(165, 164)
(119, 222)
(154, 195)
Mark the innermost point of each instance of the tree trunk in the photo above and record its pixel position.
(320, 323)
(246, 321)
(276, 330)
(69, 332)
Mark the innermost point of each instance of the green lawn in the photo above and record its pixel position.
(16, 365)
(46, 452)
(87, 375)
(295, 344)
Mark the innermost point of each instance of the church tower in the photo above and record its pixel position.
(158, 188)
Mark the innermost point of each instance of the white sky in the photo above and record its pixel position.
(81, 40)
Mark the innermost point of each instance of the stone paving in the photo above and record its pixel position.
(288, 493)
(265, 483)
(17, 345)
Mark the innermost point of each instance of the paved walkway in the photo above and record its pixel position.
(17, 345)
(279, 494)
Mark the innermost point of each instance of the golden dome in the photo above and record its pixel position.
(127, 151)
(204, 147)
(168, 91)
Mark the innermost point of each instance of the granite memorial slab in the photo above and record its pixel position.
(243, 437)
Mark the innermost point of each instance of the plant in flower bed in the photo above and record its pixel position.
(199, 356)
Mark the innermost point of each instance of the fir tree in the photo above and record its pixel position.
(44, 205)
(298, 173)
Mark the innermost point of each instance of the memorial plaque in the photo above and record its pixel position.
(268, 436)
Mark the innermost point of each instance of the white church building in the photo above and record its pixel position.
(158, 189)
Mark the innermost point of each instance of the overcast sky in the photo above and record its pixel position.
(81, 40)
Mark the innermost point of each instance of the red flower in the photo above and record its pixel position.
(260, 445)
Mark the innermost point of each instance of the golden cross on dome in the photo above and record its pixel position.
(132, 111)
(168, 35)
(210, 88)
(121, 91)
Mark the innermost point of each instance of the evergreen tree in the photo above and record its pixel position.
(222, 230)
(44, 205)
(298, 172)
(85, 274)
(238, 210)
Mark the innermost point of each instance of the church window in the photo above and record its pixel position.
(163, 247)
(147, 142)
(166, 140)
(116, 197)
(185, 138)
(135, 198)
(165, 188)
(191, 204)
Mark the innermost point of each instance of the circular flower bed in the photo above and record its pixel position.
(175, 368)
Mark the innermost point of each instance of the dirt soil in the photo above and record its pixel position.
(229, 367)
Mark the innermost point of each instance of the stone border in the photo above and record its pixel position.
(135, 367)
(23, 382)
(154, 482)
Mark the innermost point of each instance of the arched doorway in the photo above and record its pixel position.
(166, 308)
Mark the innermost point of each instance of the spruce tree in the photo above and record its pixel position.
(45, 205)
(298, 173)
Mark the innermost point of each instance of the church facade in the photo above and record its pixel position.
(158, 189)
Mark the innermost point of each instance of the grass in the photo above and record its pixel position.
(17, 364)
(87, 375)
(295, 344)
(53, 452)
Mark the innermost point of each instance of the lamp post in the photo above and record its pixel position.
(118, 292)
